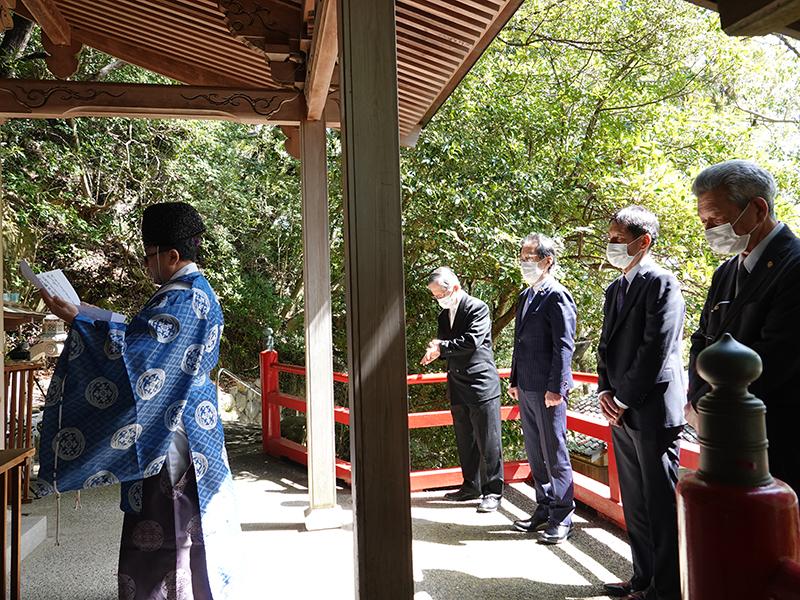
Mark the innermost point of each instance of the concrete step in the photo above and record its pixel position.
(34, 532)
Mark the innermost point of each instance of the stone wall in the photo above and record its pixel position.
(238, 403)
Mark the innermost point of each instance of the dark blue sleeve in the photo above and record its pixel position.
(563, 319)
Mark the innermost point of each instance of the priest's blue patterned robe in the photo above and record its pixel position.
(118, 394)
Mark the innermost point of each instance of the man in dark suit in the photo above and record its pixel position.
(641, 388)
(473, 387)
(541, 377)
(754, 296)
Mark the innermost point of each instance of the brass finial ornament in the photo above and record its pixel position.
(732, 428)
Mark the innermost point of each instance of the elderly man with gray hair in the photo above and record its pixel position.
(464, 340)
(753, 296)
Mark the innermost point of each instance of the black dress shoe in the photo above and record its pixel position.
(618, 590)
(531, 524)
(461, 496)
(489, 504)
(636, 595)
(555, 534)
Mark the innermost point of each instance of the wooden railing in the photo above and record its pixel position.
(605, 498)
(19, 407)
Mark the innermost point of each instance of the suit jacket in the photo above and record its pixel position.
(467, 348)
(764, 316)
(639, 355)
(544, 340)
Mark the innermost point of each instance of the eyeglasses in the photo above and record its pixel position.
(146, 256)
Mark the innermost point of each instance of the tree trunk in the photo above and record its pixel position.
(13, 45)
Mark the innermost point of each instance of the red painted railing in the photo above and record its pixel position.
(605, 498)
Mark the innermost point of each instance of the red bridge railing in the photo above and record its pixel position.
(605, 498)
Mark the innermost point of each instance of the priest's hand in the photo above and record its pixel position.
(63, 309)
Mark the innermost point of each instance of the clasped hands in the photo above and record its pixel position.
(432, 352)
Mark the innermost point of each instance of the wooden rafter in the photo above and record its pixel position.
(746, 17)
(67, 99)
(50, 19)
(324, 51)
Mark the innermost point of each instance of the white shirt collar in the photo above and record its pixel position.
(646, 260)
(751, 259)
(538, 285)
(190, 268)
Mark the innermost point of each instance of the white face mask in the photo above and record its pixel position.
(617, 255)
(531, 271)
(448, 302)
(724, 240)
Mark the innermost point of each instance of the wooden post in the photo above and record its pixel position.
(2, 324)
(375, 300)
(322, 513)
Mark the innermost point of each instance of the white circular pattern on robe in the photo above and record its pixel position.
(148, 536)
(41, 488)
(100, 479)
(150, 383)
(135, 496)
(200, 465)
(55, 391)
(127, 587)
(115, 345)
(125, 437)
(212, 338)
(164, 328)
(205, 415)
(177, 585)
(201, 305)
(75, 345)
(194, 529)
(192, 359)
(199, 381)
(69, 443)
(174, 414)
(154, 468)
(101, 393)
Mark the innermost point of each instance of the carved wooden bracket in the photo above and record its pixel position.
(7, 13)
(62, 60)
(292, 142)
(272, 28)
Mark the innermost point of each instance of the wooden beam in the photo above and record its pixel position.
(51, 21)
(757, 17)
(36, 99)
(375, 300)
(324, 52)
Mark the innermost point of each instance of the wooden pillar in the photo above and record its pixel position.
(2, 323)
(322, 512)
(375, 300)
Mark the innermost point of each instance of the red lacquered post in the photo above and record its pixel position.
(736, 523)
(270, 413)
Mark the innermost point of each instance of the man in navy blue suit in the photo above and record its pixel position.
(541, 377)
(642, 392)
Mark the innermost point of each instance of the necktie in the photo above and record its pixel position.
(622, 289)
(528, 301)
(741, 277)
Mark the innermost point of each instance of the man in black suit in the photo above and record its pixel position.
(464, 340)
(541, 378)
(754, 296)
(641, 388)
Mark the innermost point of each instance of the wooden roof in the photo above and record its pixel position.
(264, 44)
(756, 17)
